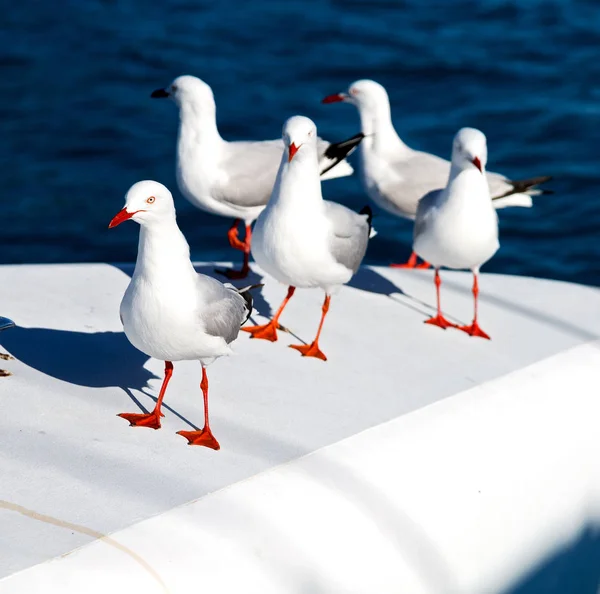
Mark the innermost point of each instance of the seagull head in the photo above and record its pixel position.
(187, 90)
(364, 94)
(298, 132)
(146, 202)
(469, 149)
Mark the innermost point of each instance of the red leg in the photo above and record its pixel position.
(235, 243)
(204, 437)
(474, 329)
(269, 331)
(232, 235)
(312, 349)
(152, 419)
(412, 263)
(439, 319)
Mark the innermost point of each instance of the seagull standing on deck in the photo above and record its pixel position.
(457, 227)
(396, 177)
(169, 311)
(302, 240)
(232, 179)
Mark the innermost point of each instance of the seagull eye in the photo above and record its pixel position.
(173, 88)
(310, 133)
(353, 92)
(150, 200)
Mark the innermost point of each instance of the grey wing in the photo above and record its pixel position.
(499, 184)
(406, 181)
(427, 205)
(251, 169)
(223, 309)
(350, 235)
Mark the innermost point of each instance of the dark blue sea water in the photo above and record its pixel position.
(78, 126)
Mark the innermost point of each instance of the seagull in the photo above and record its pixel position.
(169, 311)
(232, 179)
(457, 227)
(396, 177)
(5, 323)
(302, 240)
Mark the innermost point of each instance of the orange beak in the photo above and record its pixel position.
(334, 98)
(477, 164)
(120, 217)
(293, 151)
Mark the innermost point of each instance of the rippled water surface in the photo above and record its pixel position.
(79, 127)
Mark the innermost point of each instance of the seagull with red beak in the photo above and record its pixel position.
(457, 227)
(232, 179)
(302, 240)
(396, 177)
(169, 311)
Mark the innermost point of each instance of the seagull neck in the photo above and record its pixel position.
(198, 125)
(379, 131)
(163, 250)
(468, 183)
(298, 184)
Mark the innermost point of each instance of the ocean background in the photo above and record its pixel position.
(79, 127)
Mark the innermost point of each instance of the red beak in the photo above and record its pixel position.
(293, 151)
(121, 216)
(334, 98)
(477, 164)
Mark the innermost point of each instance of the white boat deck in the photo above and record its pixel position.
(72, 471)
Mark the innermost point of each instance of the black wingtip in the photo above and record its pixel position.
(247, 296)
(523, 185)
(367, 210)
(338, 151)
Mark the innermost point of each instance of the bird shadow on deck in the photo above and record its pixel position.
(369, 280)
(94, 360)
(88, 359)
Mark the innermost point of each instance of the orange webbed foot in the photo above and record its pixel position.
(204, 437)
(310, 350)
(474, 330)
(266, 331)
(151, 420)
(411, 265)
(440, 321)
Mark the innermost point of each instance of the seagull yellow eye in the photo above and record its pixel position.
(150, 200)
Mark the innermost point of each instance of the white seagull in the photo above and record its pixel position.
(169, 311)
(396, 177)
(457, 227)
(232, 179)
(302, 240)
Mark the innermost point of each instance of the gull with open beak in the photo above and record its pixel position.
(457, 227)
(232, 179)
(396, 177)
(302, 240)
(169, 311)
